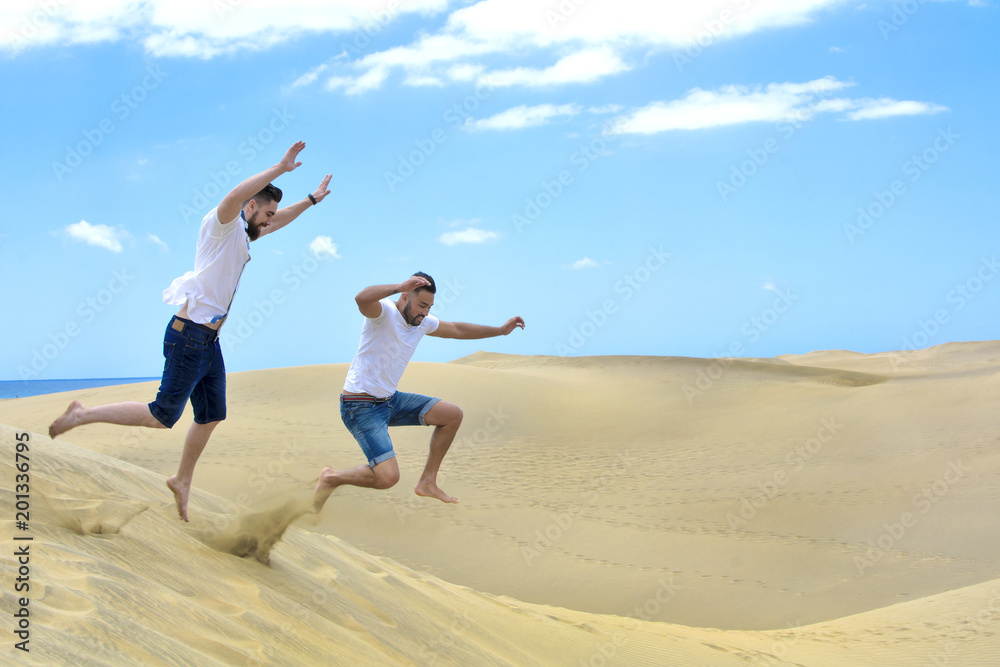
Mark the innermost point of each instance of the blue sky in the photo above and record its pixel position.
(740, 177)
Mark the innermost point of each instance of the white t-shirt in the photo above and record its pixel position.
(222, 252)
(386, 347)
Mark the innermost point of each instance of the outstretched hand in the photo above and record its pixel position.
(511, 324)
(288, 162)
(322, 191)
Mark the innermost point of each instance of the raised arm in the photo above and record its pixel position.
(231, 204)
(368, 298)
(468, 331)
(285, 215)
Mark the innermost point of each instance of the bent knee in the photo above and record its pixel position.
(452, 415)
(386, 480)
(154, 422)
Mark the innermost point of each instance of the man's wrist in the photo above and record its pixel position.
(311, 199)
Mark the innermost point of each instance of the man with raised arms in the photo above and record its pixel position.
(193, 367)
(370, 403)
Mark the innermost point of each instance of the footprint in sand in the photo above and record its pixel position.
(89, 516)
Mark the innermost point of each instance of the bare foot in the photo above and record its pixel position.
(67, 420)
(432, 490)
(180, 495)
(324, 487)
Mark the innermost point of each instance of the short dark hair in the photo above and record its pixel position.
(269, 193)
(432, 288)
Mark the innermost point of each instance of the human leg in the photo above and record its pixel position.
(208, 402)
(382, 475)
(182, 369)
(130, 413)
(446, 418)
(194, 445)
(368, 422)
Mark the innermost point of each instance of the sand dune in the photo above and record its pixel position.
(821, 509)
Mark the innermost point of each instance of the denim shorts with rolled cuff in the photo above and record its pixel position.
(369, 419)
(193, 368)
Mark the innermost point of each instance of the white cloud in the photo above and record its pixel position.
(524, 116)
(835, 105)
(101, 236)
(423, 80)
(196, 28)
(727, 106)
(309, 77)
(324, 245)
(464, 72)
(156, 239)
(596, 32)
(605, 109)
(30, 24)
(370, 80)
(469, 235)
(585, 263)
(580, 67)
(733, 105)
(672, 24)
(885, 108)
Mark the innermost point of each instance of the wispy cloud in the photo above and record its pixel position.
(469, 235)
(585, 263)
(868, 109)
(607, 108)
(584, 66)
(309, 77)
(524, 116)
(734, 105)
(101, 236)
(156, 239)
(323, 246)
(355, 85)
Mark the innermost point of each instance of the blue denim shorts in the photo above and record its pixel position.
(192, 368)
(369, 420)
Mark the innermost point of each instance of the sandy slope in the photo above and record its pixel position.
(820, 509)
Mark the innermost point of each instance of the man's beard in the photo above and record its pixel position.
(253, 227)
(412, 321)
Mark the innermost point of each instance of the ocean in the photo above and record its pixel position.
(22, 388)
